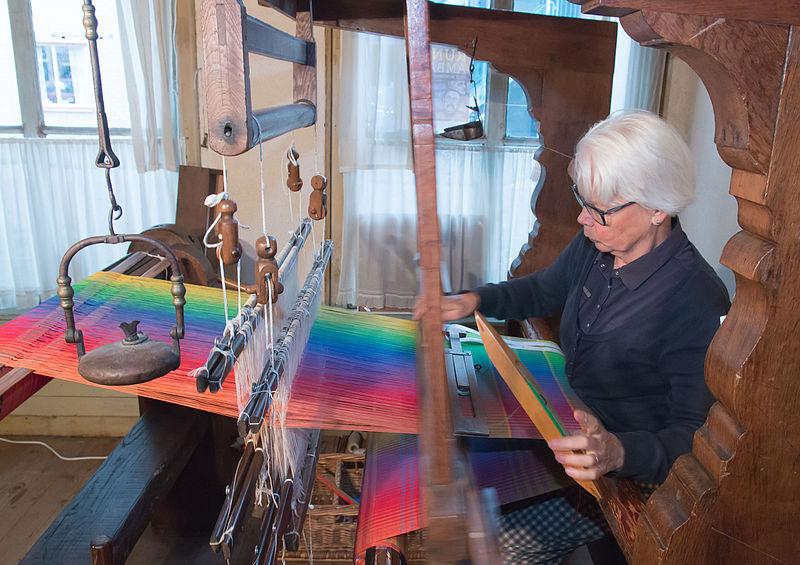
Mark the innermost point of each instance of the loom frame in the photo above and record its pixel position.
(709, 510)
(230, 35)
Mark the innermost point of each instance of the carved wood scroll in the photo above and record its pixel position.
(728, 500)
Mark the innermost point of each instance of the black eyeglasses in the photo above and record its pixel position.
(597, 214)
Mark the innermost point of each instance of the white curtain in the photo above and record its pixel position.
(374, 116)
(51, 196)
(483, 193)
(147, 34)
(484, 213)
(638, 75)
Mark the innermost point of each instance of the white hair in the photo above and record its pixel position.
(634, 156)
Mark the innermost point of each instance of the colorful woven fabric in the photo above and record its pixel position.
(104, 300)
(391, 503)
(358, 371)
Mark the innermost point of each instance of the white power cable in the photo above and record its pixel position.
(56, 453)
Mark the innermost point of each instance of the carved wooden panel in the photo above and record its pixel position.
(728, 500)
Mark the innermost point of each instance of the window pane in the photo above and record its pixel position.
(9, 97)
(562, 8)
(453, 94)
(519, 123)
(65, 75)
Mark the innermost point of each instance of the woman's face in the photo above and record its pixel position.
(626, 229)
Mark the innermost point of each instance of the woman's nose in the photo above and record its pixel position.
(584, 218)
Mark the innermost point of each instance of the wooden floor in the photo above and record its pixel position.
(35, 486)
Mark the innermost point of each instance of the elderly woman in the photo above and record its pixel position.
(639, 306)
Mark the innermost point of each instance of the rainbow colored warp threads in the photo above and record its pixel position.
(358, 371)
(35, 340)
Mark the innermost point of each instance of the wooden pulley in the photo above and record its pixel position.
(228, 231)
(317, 200)
(267, 266)
(293, 182)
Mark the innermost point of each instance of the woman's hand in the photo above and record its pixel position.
(600, 451)
(454, 307)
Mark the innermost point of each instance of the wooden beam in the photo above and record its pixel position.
(188, 102)
(548, 42)
(233, 126)
(773, 12)
(304, 76)
(20, 390)
(24, 51)
(267, 40)
(288, 7)
(114, 507)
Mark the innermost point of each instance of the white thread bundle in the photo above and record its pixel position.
(287, 447)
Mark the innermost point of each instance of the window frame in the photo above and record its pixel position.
(494, 118)
(23, 42)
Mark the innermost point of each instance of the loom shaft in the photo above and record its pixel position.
(251, 418)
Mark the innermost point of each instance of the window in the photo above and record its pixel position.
(500, 99)
(56, 81)
(453, 94)
(43, 50)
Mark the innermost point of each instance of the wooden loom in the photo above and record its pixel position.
(723, 502)
(731, 500)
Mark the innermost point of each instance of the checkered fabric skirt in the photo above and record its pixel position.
(550, 527)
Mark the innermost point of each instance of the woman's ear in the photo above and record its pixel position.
(659, 217)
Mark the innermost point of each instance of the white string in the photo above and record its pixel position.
(56, 453)
(239, 286)
(224, 175)
(262, 186)
(288, 157)
(271, 323)
(224, 287)
(211, 201)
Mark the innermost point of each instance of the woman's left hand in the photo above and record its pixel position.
(598, 450)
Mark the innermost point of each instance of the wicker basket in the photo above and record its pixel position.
(330, 528)
(330, 524)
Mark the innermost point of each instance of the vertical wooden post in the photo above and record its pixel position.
(456, 532)
(305, 76)
(186, 45)
(431, 374)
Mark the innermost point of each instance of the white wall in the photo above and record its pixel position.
(711, 220)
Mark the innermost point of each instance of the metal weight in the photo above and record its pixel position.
(136, 359)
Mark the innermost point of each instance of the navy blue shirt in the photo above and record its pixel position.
(634, 339)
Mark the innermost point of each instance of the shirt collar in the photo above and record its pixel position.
(634, 274)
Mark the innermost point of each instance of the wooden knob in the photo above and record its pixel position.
(228, 230)
(294, 182)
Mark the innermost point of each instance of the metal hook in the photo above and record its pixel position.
(106, 159)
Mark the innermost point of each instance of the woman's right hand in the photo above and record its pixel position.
(454, 307)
